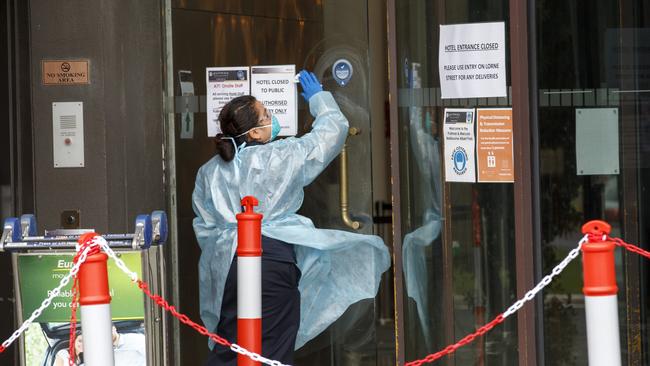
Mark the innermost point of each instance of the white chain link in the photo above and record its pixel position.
(547, 279)
(254, 356)
(98, 240)
(134, 277)
(530, 295)
(46, 303)
(119, 262)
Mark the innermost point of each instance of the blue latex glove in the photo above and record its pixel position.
(310, 84)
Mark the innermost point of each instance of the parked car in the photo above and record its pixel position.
(129, 345)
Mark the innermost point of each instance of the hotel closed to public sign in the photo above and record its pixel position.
(65, 72)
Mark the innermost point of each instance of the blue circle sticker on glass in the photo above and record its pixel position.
(342, 71)
(459, 156)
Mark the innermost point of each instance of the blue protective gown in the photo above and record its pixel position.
(338, 268)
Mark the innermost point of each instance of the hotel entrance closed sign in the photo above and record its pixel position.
(472, 60)
(65, 72)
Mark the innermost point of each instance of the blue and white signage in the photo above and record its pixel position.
(460, 163)
(342, 71)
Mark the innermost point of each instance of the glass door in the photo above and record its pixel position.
(314, 35)
(593, 92)
(457, 248)
(343, 196)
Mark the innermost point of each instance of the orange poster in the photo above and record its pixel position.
(494, 156)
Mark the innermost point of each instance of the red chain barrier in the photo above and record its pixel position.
(72, 355)
(499, 319)
(84, 241)
(181, 317)
(630, 247)
(463, 342)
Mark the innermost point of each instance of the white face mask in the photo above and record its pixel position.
(254, 128)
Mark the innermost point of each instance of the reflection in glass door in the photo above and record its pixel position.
(314, 35)
(457, 245)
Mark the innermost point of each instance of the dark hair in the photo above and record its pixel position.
(236, 117)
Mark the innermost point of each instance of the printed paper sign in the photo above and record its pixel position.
(223, 85)
(186, 81)
(472, 60)
(459, 145)
(274, 87)
(187, 116)
(494, 154)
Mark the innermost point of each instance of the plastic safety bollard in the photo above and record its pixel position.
(249, 280)
(600, 296)
(94, 301)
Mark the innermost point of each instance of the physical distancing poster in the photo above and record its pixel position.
(494, 154)
(272, 85)
(484, 154)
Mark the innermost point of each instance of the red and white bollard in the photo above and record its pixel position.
(601, 304)
(95, 304)
(249, 280)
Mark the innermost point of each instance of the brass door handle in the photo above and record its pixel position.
(345, 213)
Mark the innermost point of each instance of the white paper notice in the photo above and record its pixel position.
(187, 84)
(274, 87)
(472, 60)
(459, 145)
(223, 85)
(187, 116)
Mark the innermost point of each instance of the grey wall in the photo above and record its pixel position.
(123, 127)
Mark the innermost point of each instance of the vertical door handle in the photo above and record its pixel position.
(345, 212)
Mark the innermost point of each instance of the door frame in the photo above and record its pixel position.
(526, 186)
(18, 118)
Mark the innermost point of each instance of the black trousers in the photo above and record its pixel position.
(280, 313)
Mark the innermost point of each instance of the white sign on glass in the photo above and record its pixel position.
(459, 140)
(223, 85)
(274, 86)
(472, 60)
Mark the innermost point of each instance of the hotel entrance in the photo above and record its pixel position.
(462, 252)
(353, 193)
(576, 85)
